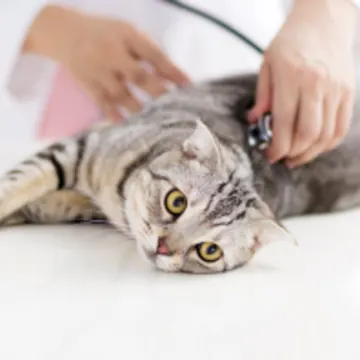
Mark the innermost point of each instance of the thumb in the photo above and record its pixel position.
(263, 93)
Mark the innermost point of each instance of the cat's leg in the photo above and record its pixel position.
(56, 207)
(54, 168)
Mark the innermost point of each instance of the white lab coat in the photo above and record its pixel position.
(198, 47)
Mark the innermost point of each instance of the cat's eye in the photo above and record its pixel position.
(208, 251)
(175, 202)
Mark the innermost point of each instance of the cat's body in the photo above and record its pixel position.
(194, 200)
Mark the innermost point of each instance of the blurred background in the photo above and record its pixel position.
(197, 46)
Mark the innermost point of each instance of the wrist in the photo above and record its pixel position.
(326, 3)
(52, 32)
(335, 16)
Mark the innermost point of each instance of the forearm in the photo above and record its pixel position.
(52, 32)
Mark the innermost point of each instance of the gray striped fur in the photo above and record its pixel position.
(192, 139)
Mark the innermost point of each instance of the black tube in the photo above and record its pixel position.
(216, 21)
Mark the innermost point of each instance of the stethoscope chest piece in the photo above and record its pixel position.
(260, 133)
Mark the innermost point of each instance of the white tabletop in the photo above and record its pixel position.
(82, 292)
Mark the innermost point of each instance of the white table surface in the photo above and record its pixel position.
(82, 292)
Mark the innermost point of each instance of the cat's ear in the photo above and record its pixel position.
(202, 145)
(269, 231)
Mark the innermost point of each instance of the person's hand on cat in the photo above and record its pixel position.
(307, 81)
(104, 55)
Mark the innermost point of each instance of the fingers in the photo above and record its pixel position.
(284, 109)
(308, 125)
(109, 108)
(344, 116)
(145, 80)
(328, 125)
(111, 92)
(143, 48)
(309, 130)
(311, 112)
(130, 102)
(133, 70)
(116, 58)
(263, 93)
(117, 91)
(314, 139)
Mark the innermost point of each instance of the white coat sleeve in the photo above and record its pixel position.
(16, 17)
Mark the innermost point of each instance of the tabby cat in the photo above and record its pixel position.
(180, 179)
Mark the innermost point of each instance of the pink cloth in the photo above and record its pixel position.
(69, 109)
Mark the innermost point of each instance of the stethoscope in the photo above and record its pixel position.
(259, 133)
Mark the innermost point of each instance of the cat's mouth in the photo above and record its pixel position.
(162, 247)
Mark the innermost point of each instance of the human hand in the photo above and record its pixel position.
(307, 81)
(105, 56)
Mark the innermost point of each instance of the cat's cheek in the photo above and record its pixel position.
(148, 255)
(144, 254)
(147, 246)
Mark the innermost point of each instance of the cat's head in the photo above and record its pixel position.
(194, 208)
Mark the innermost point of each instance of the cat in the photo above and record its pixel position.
(180, 179)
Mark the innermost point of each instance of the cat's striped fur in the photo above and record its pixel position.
(193, 140)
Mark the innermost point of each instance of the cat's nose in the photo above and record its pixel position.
(163, 248)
